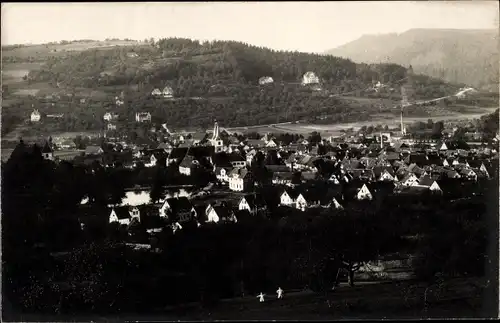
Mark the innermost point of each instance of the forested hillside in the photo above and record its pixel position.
(219, 80)
(460, 56)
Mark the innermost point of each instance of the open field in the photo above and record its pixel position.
(43, 51)
(13, 73)
(58, 153)
(332, 129)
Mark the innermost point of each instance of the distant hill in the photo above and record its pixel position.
(460, 56)
(218, 79)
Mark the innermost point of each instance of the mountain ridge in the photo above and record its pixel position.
(467, 56)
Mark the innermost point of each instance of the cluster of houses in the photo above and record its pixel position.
(353, 170)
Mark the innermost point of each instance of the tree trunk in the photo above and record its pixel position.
(350, 277)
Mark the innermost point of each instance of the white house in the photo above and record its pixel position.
(333, 179)
(271, 144)
(265, 80)
(218, 214)
(35, 116)
(143, 117)
(288, 198)
(179, 207)
(442, 146)
(301, 203)
(364, 193)
(251, 203)
(428, 182)
(156, 92)
(335, 204)
(167, 92)
(152, 161)
(240, 179)
(124, 215)
(386, 176)
(310, 78)
(410, 180)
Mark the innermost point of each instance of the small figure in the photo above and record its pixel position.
(280, 293)
(261, 297)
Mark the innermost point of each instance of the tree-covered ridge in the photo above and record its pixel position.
(220, 79)
(175, 58)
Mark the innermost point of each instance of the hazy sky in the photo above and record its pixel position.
(304, 26)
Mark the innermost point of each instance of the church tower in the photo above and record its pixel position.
(216, 140)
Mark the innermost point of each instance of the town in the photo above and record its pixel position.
(148, 198)
(203, 173)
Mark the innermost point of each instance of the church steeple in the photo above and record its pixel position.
(216, 131)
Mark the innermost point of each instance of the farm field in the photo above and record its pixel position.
(47, 50)
(332, 129)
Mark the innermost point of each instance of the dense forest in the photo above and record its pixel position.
(220, 79)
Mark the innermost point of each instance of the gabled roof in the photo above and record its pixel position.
(234, 157)
(255, 143)
(198, 136)
(239, 172)
(187, 161)
(46, 148)
(379, 170)
(308, 176)
(254, 200)
(223, 212)
(122, 212)
(426, 181)
(285, 176)
(93, 150)
(292, 192)
(179, 204)
(178, 153)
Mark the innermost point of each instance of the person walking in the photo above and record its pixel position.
(280, 293)
(261, 297)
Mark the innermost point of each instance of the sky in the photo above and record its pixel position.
(302, 26)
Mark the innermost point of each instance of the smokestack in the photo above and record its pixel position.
(381, 141)
(402, 124)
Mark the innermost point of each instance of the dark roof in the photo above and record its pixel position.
(379, 170)
(255, 200)
(93, 150)
(224, 212)
(179, 204)
(178, 153)
(46, 148)
(187, 161)
(278, 168)
(426, 181)
(233, 157)
(292, 192)
(122, 212)
(283, 175)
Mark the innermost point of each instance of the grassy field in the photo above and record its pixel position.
(335, 129)
(44, 51)
(459, 298)
(58, 153)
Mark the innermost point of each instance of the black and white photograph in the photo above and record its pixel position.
(224, 161)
